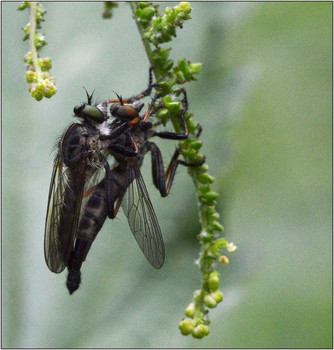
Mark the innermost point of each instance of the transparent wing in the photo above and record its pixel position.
(142, 220)
(62, 216)
(53, 253)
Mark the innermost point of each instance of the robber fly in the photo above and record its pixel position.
(124, 186)
(80, 164)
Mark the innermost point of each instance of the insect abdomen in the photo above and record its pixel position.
(93, 217)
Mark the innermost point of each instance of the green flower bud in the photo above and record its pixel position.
(179, 77)
(186, 326)
(31, 77)
(200, 331)
(203, 169)
(167, 99)
(163, 115)
(189, 154)
(185, 6)
(164, 87)
(204, 189)
(213, 281)
(28, 58)
(217, 226)
(221, 242)
(190, 310)
(197, 295)
(45, 64)
(191, 126)
(195, 67)
(173, 107)
(167, 66)
(49, 89)
(182, 64)
(205, 179)
(209, 301)
(196, 145)
(39, 41)
(217, 296)
(37, 95)
(211, 195)
(39, 87)
(214, 216)
(148, 13)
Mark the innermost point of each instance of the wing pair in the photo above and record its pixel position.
(63, 215)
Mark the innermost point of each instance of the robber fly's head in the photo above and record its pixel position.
(125, 111)
(88, 112)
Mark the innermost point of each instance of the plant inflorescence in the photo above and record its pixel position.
(157, 29)
(38, 76)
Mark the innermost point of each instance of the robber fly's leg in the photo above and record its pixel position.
(149, 111)
(173, 135)
(143, 94)
(129, 151)
(163, 180)
(113, 200)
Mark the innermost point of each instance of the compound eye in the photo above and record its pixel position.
(77, 110)
(89, 112)
(124, 111)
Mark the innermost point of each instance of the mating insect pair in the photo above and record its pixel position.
(84, 190)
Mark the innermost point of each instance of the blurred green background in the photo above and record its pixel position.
(264, 99)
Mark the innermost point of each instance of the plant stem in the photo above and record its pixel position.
(33, 6)
(146, 43)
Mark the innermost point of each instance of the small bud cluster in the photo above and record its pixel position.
(108, 8)
(197, 323)
(41, 82)
(189, 326)
(161, 29)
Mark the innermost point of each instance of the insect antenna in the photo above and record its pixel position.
(89, 97)
(119, 97)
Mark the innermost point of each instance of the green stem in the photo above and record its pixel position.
(146, 43)
(33, 7)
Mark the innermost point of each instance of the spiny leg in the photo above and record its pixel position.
(163, 180)
(177, 136)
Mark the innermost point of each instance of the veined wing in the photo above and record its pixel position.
(142, 220)
(62, 214)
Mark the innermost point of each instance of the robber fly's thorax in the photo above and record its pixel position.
(80, 142)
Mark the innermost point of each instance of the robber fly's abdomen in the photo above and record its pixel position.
(94, 214)
(93, 217)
